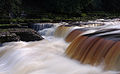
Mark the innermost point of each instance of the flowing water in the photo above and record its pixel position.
(45, 57)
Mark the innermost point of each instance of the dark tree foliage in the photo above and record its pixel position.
(111, 5)
(74, 6)
(59, 6)
(13, 7)
(10, 7)
(104, 5)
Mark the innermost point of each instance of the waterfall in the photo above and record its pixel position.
(99, 46)
(41, 26)
(53, 54)
(42, 57)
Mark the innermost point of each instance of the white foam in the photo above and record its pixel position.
(42, 57)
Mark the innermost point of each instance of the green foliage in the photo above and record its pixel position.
(5, 24)
(83, 14)
(111, 5)
(58, 6)
(45, 10)
(10, 7)
(104, 5)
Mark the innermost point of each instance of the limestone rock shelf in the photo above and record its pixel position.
(19, 34)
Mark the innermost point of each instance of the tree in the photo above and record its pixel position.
(65, 6)
(10, 8)
(111, 5)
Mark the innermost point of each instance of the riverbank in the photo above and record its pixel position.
(18, 33)
(53, 18)
(16, 29)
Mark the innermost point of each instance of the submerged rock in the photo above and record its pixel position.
(19, 34)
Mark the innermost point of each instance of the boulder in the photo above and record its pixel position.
(19, 34)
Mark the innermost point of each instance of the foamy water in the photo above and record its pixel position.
(43, 57)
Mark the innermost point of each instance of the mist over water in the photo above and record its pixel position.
(42, 57)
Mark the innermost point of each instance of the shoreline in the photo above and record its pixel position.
(18, 33)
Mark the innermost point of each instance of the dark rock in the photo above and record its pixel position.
(7, 37)
(14, 26)
(19, 34)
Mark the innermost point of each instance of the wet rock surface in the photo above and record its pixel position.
(19, 34)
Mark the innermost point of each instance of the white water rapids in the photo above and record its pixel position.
(42, 57)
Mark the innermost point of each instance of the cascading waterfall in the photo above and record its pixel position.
(41, 26)
(99, 46)
(49, 55)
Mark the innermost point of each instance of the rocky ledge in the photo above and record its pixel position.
(19, 34)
